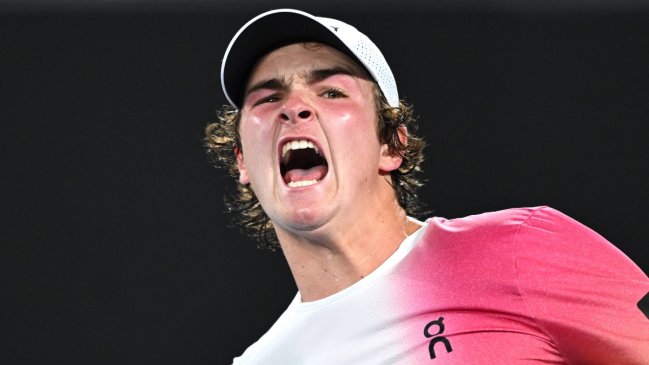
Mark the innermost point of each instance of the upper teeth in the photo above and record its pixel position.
(298, 145)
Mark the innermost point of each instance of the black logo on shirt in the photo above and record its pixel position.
(436, 338)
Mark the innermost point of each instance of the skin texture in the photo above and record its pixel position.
(343, 227)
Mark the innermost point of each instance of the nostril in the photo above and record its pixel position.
(304, 114)
(284, 117)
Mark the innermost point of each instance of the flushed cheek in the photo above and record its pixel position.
(257, 146)
(353, 130)
(355, 157)
(254, 122)
(352, 113)
(255, 131)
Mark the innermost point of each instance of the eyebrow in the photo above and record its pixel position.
(323, 74)
(311, 77)
(271, 84)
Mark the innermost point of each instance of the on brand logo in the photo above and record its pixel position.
(439, 322)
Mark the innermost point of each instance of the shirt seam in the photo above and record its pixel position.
(518, 287)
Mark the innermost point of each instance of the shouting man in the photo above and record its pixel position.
(327, 162)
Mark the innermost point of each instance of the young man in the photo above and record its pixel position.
(319, 142)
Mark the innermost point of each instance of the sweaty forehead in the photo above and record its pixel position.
(299, 59)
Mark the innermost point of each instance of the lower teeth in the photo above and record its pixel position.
(296, 184)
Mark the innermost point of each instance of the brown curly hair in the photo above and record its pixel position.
(222, 140)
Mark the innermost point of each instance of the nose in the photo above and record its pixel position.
(296, 109)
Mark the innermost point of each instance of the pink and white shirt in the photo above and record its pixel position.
(519, 286)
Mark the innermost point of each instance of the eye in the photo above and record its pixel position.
(333, 93)
(268, 99)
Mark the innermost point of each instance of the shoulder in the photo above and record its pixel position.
(550, 235)
(519, 224)
(581, 289)
(486, 242)
(506, 218)
(541, 235)
(497, 227)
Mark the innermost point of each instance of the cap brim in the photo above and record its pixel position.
(263, 34)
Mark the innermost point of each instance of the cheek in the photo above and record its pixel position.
(355, 136)
(350, 116)
(253, 130)
(356, 124)
(251, 123)
(256, 143)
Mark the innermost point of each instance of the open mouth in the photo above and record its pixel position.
(302, 164)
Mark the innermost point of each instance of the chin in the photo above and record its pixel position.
(303, 220)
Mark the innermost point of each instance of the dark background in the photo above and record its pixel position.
(114, 248)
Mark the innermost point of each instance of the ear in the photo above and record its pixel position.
(390, 161)
(241, 166)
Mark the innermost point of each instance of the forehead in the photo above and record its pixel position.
(300, 58)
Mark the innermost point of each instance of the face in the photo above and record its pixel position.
(309, 146)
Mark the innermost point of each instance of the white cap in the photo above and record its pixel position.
(280, 27)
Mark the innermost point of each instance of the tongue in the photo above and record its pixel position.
(314, 173)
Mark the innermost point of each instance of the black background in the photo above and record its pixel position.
(114, 247)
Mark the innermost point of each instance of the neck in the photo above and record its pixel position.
(325, 264)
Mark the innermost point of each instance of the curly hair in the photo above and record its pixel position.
(222, 140)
